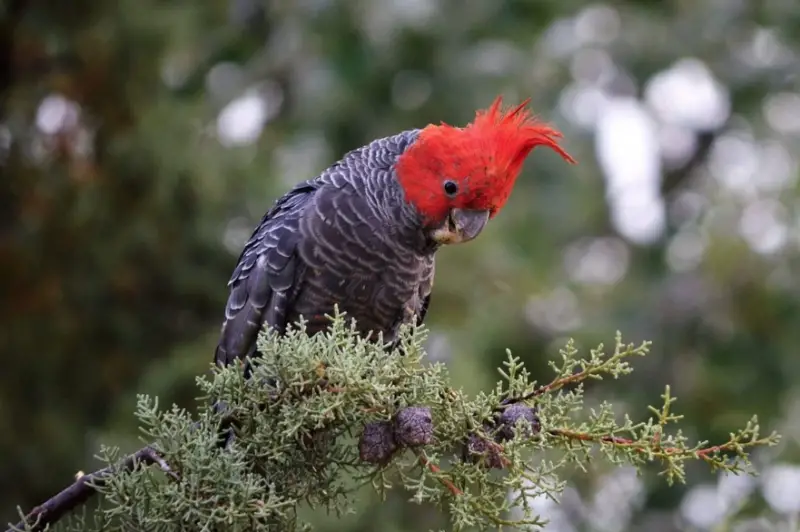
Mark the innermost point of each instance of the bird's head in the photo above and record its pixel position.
(458, 178)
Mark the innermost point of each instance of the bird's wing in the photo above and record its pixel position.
(265, 277)
(423, 309)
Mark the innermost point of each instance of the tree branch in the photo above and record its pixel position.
(436, 470)
(84, 487)
(656, 450)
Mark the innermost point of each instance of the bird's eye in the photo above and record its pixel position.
(450, 188)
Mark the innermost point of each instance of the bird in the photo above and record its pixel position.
(362, 236)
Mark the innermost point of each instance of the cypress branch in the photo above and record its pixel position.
(324, 416)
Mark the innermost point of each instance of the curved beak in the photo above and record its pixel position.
(461, 225)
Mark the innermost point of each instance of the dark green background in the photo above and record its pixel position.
(119, 228)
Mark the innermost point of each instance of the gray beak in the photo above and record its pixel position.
(467, 223)
(461, 225)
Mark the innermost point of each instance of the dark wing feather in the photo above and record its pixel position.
(423, 310)
(265, 278)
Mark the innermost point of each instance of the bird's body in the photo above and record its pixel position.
(333, 240)
(363, 234)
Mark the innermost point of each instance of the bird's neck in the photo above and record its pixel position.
(414, 234)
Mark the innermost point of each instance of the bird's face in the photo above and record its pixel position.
(452, 184)
(459, 178)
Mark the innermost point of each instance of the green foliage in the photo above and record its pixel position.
(297, 420)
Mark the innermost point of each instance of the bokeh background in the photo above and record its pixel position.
(141, 140)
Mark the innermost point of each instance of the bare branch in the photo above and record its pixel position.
(84, 487)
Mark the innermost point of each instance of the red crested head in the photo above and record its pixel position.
(471, 168)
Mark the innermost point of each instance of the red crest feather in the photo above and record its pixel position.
(483, 159)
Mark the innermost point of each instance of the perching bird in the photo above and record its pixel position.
(363, 234)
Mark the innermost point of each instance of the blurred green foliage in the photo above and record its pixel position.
(124, 200)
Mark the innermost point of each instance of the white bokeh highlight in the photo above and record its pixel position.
(706, 506)
(688, 95)
(557, 311)
(242, 120)
(57, 113)
(597, 261)
(780, 487)
(626, 143)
